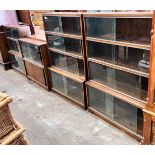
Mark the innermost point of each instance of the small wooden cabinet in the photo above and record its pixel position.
(35, 57)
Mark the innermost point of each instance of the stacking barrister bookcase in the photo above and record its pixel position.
(13, 33)
(120, 82)
(66, 53)
(36, 61)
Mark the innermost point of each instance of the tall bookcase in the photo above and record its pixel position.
(67, 70)
(119, 68)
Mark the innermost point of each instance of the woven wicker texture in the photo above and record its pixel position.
(20, 141)
(3, 96)
(10, 131)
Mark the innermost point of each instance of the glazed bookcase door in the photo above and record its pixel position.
(17, 63)
(13, 45)
(31, 52)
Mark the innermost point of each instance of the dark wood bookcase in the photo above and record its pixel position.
(67, 69)
(4, 57)
(13, 33)
(35, 57)
(120, 58)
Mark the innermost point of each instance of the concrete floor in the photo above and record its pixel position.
(49, 119)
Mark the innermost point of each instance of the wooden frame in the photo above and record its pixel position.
(82, 57)
(150, 106)
(151, 89)
(4, 52)
(40, 70)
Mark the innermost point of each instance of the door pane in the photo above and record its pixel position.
(13, 45)
(69, 25)
(104, 28)
(133, 58)
(31, 52)
(117, 110)
(130, 84)
(53, 23)
(65, 44)
(67, 63)
(67, 86)
(134, 30)
(17, 62)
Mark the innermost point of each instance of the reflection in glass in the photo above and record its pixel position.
(130, 84)
(31, 52)
(15, 33)
(133, 58)
(67, 86)
(134, 30)
(17, 62)
(69, 45)
(117, 110)
(13, 45)
(67, 63)
(8, 32)
(52, 23)
(69, 25)
(11, 32)
(104, 28)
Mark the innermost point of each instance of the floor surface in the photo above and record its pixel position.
(49, 119)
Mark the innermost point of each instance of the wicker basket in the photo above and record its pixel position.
(10, 130)
(20, 141)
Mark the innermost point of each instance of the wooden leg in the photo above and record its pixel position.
(147, 129)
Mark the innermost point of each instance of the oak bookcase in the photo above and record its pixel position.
(64, 35)
(120, 54)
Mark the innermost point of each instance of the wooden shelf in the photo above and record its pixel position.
(120, 14)
(67, 74)
(131, 100)
(71, 54)
(64, 35)
(125, 69)
(32, 41)
(63, 14)
(12, 39)
(18, 54)
(120, 43)
(34, 63)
